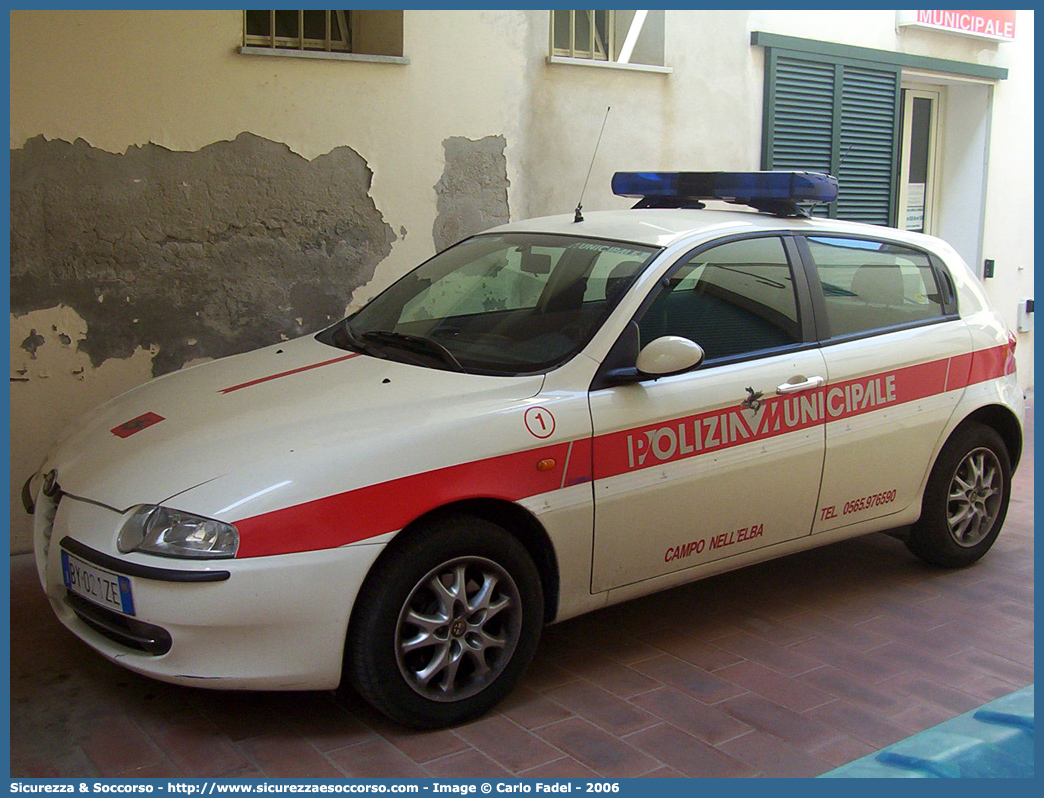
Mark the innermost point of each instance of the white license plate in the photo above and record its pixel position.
(98, 585)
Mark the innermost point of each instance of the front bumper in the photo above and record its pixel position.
(270, 623)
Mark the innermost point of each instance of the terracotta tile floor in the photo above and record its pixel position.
(789, 668)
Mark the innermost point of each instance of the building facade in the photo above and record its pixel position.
(190, 184)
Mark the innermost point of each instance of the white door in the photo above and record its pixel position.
(893, 381)
(723, 459)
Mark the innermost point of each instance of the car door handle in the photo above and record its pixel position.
(798, 387)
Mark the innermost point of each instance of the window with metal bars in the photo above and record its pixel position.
(840, 116)
(328, 31)
(630, 39)
(583, 34)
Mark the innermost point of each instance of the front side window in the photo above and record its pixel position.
(733, 299)
(520, 303)
(872, 285)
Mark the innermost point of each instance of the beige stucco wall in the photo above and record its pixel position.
(1008, 230)
(472, 74)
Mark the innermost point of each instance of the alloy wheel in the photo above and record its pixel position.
(458, 629)
(974, 498)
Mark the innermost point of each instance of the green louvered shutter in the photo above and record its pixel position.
(827, 115)
(869, 140)
(804, 115)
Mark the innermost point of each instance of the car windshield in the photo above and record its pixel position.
(518, 303)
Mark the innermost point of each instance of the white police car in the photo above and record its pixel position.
(544, 419)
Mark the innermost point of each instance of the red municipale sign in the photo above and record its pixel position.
(128, 428)
(993, 24)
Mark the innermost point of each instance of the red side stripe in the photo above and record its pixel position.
(988, 364)
(389, 506)
(288, 373)
(578, 467)
(960, 368)
(726, 427)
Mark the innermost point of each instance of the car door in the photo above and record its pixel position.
(890, 339)
(726, 458)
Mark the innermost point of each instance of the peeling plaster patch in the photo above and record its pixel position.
(473, 191)
(241, 244)
(32, 342)
(50, 393)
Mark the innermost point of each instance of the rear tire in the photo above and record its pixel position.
(446, 623)
(966, 499)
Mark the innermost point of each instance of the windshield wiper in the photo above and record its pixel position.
(414, 343)
(345, 338)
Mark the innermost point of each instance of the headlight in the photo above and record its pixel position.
(173, 533)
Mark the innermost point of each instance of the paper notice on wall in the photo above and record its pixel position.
(915, 207)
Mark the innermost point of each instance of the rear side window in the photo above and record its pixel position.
(872, 285)
(733, 299)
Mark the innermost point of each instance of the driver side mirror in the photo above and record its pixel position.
(625, 365)
(669, 354)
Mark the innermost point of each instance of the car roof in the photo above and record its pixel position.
(663, 227)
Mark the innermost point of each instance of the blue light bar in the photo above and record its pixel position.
(744, 187)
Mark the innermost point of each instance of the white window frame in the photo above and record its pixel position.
(937, 95)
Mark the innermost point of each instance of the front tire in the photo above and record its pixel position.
(446, 623)
(966, 499)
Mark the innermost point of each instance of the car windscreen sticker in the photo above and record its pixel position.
(128, 428)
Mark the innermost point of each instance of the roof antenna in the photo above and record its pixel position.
(578, 216)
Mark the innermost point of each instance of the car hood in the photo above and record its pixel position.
(197, 425)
